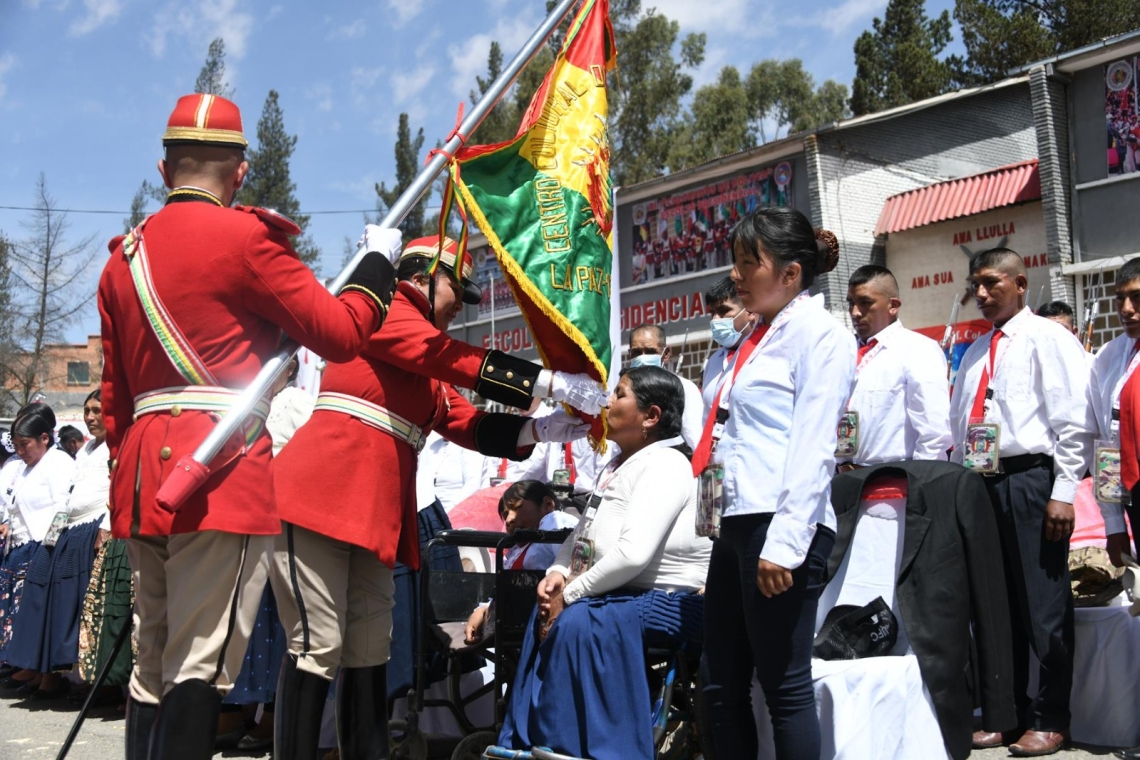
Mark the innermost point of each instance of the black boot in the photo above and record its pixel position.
(362, 713)
(300, 703)
(140, 720)
(187, 722)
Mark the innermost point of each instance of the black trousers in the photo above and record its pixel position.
(1040, 596)
(746, 632)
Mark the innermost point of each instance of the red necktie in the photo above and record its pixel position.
(979, 409)
(568, 461)
(864, 350)
(704, 449)
(1130, 429)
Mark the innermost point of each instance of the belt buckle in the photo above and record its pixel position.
(418, 439)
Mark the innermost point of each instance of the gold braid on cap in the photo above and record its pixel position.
(828, 249)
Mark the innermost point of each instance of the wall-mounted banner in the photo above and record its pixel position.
(1122, 115)
(689, 232)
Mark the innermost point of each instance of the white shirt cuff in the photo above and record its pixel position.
(573, 591)
(1064, 490)
(1113, 515)
(787, 542)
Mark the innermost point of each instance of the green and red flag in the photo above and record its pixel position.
(544, 202)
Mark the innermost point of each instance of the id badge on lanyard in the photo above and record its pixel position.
(710, 486)
(582, 555)
(1106, 473)
(1108, 481)
(847, 433)
(983, 447)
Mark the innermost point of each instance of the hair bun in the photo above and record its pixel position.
(828, 249)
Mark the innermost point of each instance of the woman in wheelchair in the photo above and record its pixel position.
(627, 578)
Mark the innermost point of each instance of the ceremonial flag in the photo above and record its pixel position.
(544, 202)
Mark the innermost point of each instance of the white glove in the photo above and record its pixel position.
(580, 391)
(560, 427)
(388, 241)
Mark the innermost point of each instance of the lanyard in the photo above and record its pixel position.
(611, 468)
(1127, 366)
(732, 372)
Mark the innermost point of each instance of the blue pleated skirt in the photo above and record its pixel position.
(584, 690)
(13, 570)
(45, 633)
(257, 682)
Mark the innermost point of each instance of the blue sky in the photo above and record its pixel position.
(86, 86)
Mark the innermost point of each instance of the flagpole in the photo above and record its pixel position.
(171, 496)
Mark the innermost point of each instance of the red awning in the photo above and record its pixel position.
(955, 198)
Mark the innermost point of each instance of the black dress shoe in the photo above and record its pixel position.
(1128, 754)
(59, 692)
(7, 670)
(29, 689)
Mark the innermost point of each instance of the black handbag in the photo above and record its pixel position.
(852, 633)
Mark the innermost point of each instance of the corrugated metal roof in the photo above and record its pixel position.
(955, 198)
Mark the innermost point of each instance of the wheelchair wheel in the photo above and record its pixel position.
(406, 743)
(472, 747)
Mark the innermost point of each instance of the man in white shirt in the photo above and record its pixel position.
(729, 326)
(647, 348)
(1061, 313)
(1111, 380)
(900, 408)
(1019, 403)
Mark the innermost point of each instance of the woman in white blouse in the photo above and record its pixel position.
(39, 492)
(777, 412)
(627, 577)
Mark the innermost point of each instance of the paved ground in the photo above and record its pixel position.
(31, 730)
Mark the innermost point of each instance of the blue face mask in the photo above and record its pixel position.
(645, 360)
(724, 331)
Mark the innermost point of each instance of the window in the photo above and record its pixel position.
(78, 373)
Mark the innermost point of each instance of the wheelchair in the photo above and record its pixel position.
(446, 601)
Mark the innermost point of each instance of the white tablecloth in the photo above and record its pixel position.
(1106, 672)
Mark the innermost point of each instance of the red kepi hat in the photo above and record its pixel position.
(205, 120)
(426, 248)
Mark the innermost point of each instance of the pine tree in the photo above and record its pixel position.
(268, 183)
(502, 123)
(212, 78)
(407, 167)
(1001, 35)
(138, 207)
(898, 62)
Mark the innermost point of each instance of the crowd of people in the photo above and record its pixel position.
(715, 519)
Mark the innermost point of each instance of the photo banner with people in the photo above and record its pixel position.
(1122, 115)
(545, 204)
(689, 232)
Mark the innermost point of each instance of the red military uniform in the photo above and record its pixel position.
(192, 302)
(232, 283)
(409, 368)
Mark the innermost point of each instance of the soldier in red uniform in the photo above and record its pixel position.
(191, 302)
(346, 525)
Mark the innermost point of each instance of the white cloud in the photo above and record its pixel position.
(351, 30)
(99, 12)
(322, 94)
(405, 85)
(361, 81)
(404, 11)
(7, 63)
(847, 14)
(696, 16)
(200, 21)
(469, 58)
